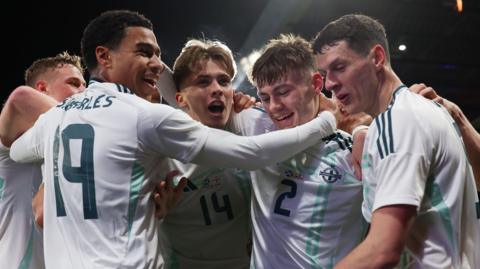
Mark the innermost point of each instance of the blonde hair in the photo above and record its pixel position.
(43, 65)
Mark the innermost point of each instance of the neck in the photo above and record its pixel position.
(389, 81)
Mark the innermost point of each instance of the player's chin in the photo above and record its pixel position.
(216, 122)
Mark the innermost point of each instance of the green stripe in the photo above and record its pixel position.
(135, 186)
(390, 132)
(395, 93)
(56, 185)
(118, 87)
(319, 209)
(434, 193)
(2, 187)
(173, 261)
(478, 209)
(27, 257)
(384, 135)
(243, 181)
(379, 146)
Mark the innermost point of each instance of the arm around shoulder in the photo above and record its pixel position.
(20, 112)
(470, 136)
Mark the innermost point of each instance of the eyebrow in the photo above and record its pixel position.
(148, 46)
(221, 75)
(330, 65)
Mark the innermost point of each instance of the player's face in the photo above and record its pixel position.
(64, 81)
(293, 100)
(136, 62)
(351, 76)
(207, 95)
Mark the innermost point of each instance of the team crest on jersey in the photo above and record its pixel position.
(330, 174)
(211, 182)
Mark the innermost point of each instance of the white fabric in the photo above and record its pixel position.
(127, 137)
(210, 226)
(21, 244)
(166, 87)
(306, 211)
(414, 155)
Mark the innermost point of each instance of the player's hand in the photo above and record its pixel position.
(242, 101)
(37, 206)
(423, 90)
(357, 151)
(430, 93)
(166, 195)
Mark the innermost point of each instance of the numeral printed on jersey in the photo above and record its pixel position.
(285, 195)
(83, 174)
(227, 207)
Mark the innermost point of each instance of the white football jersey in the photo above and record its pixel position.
(414, 155)
(101, 150)
(21, 244)
(306, 211)
(210, 226)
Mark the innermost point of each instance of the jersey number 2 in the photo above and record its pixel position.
(83, 174)
(288, 194)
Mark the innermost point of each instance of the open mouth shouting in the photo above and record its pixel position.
(216, 107)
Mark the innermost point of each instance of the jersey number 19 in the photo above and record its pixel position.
(83, 174)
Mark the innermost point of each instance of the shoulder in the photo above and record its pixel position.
(252, 121)
(339, 140)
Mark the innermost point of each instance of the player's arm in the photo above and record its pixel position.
(174, 134)
(359, 134)
(470, 136)
(383, 246)
(37, 206)
(29, 146)
(224, 149)
(21, 110)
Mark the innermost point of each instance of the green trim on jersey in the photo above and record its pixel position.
(319, 208)
(243, 180)
(406, 260)
(434, 193)
(27, 257)
(386, 146)
(384, 126)
(477, 205)
(2, 187)
(173, 262)
(135, 186)
(60, 205)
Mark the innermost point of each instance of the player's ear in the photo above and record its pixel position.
(181, 102)
(378, 56)
(317, 82)
(41, 85)
(103, 56)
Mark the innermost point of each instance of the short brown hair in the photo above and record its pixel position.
(286, 53)
(360, 32)
(195, 52)
(43, 65)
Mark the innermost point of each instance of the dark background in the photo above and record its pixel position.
(442, 44)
